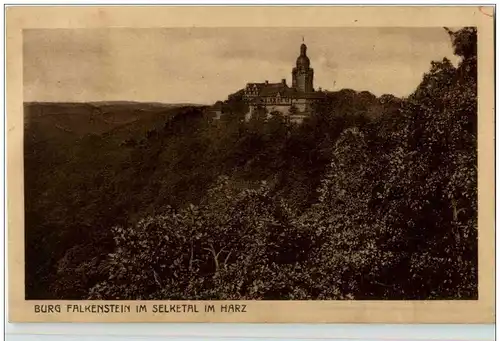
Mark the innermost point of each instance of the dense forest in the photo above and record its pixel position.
(369, 198)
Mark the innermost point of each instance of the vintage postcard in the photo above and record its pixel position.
(250, 164)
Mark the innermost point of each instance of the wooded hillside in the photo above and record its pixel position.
(370, 198)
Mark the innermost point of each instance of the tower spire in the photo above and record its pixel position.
(302, 74)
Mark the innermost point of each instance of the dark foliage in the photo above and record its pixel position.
(369, 198)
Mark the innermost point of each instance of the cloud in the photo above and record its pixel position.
(206, 64)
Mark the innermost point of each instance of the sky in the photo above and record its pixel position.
(203, 65)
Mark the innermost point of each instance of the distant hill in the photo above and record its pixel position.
(52, 119)
(114, 103)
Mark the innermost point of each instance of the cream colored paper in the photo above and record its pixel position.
(480, 311)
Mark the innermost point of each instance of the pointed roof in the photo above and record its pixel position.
(303, 60)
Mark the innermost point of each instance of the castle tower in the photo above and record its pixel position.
(302, 74)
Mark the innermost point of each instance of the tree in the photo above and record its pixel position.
(432, 181)
(239, 244)
(369, 198)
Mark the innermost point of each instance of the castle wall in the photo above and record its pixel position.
(301, 104)
(279, 108)
(302, 79)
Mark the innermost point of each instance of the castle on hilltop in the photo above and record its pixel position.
(294, 102)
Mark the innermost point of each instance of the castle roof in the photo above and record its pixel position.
(275, 89)
(311, 95)
(256, 84)
(303, 60)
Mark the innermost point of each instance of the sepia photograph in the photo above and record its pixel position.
(249, 164)
(281, 164)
